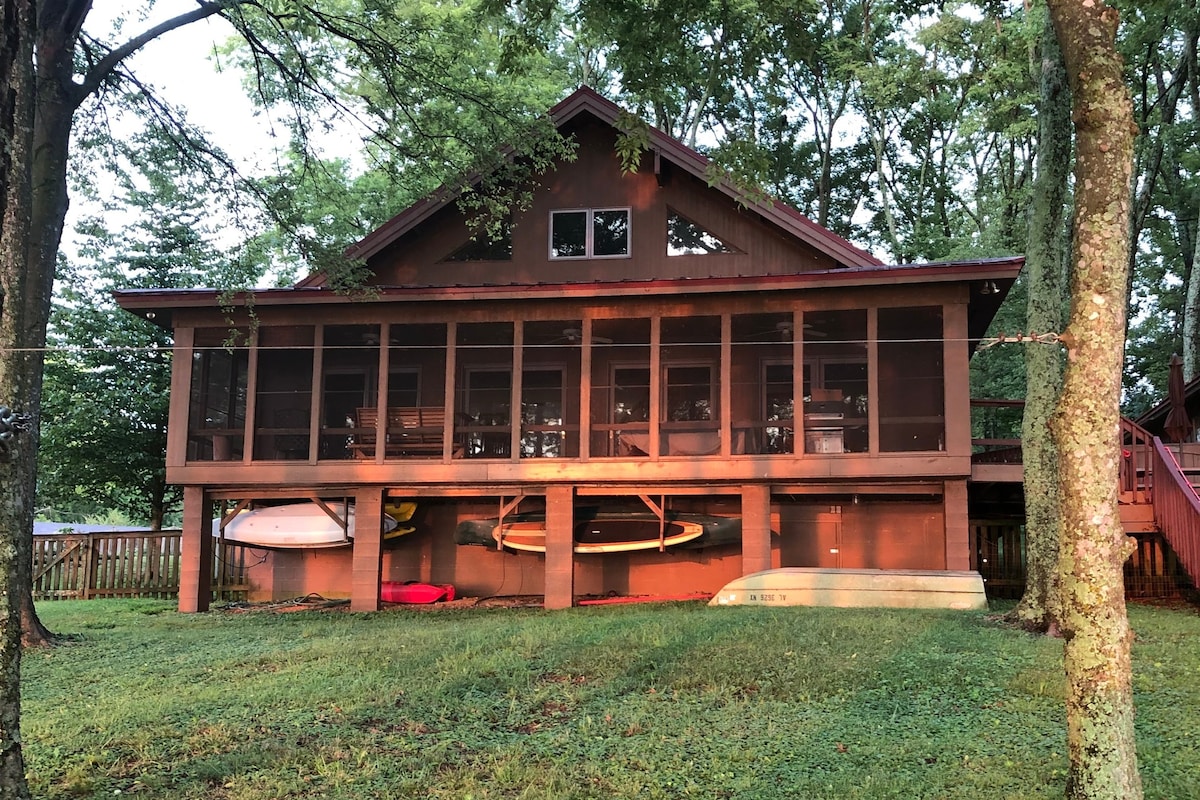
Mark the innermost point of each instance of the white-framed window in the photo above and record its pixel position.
(589, 233)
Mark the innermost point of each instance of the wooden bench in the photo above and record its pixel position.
(411, 431)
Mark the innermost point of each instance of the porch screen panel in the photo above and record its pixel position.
(349, 369)
(416, 390)
(283, 401)
(483, 406)
(217, 403)
(620, 402)
(912, 393)
(762, 373)
(691, 364)
(836, 398)
(550, 389)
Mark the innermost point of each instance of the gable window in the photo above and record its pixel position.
(488, 244)
(589, 233)
(686, 238)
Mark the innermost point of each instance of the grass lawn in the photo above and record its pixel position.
(645, 701)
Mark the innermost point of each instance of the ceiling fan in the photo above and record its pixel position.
(575, 336)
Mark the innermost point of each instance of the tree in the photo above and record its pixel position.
(16, 141)
(1044, 262)
(107, 377)
(1100, 735)
(289, 46)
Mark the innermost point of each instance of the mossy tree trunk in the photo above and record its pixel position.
(1044, 263)
(1086, 425)
(16, 485)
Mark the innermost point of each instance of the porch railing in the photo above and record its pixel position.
(1136, 474)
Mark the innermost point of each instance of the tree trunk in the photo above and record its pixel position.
(56, 104)
(1100, 737)
(16, 485)
(1191, 318)
(1044, 262)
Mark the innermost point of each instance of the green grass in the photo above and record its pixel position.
(654, 701)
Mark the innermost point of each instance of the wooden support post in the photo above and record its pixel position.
(366, 570)
(756, 528)
(560, 547)
(196, 552)
(958, 529)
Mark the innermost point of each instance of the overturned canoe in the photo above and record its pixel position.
(604, 531)
(855, 588)
(300, 526)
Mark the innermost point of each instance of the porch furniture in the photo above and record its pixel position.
(411, 431)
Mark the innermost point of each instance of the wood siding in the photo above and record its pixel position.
(595, 180)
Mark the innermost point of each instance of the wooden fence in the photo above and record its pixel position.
(70, 566)
(998, 550)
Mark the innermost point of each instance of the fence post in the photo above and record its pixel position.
(91, 562)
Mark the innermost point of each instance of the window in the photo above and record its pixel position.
(686, 238)
(589, 233)
(487, 245)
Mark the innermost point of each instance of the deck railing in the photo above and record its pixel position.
(1177, 510)
(124, 564)
(1136, 474)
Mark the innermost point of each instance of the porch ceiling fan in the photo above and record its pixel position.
(784, 329)
(575, 336)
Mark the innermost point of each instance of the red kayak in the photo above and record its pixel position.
(415, 592)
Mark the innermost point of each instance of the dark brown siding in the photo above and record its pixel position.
(595, 180)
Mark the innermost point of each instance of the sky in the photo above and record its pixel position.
(182, 65)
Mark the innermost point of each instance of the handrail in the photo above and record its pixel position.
(1177, 510)
(1137, 462)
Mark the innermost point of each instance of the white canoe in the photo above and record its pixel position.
(855, 588)
(299, 526)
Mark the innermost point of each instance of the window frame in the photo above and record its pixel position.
(589, 244)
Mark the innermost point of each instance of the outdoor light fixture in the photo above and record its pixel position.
(989, 287)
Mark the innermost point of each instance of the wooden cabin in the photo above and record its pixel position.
(651, 341)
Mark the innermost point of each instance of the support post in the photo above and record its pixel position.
(196, 552)
(756, 528)
(560, 547)
(958, 529)
(366, 570)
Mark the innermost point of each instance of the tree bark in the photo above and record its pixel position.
(1100, 736)
(1191, 318)
(16, 486)
(1044, 262)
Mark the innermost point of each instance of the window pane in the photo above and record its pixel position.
(835, 364)
(217, 413)
(484, 403)
(284, 396)
(568, 234)
(762, 393)
(610, 233)
(912, 395)
(349, 364)
(686, 238)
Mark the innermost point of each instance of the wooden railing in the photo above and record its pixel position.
(1176, 510)
(123, 564)
(1136, 473)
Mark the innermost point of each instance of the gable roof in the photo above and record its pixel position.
(587, 101)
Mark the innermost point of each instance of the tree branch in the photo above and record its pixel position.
(103, 68)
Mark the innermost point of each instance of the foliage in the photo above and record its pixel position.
(107, 376)
(659, 701)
